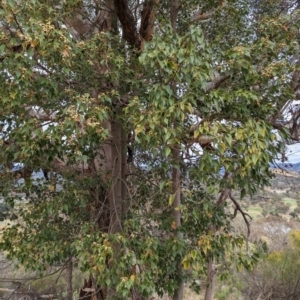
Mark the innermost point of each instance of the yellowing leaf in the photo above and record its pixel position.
(138, 130)
(239, 266)
(186, 264)
(132, 277)
(171, 199)
(174, 65)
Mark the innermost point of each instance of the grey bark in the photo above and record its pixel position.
(178, 293)
(69, 278)
(211, 280)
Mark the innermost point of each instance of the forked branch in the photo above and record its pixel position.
(244, 214)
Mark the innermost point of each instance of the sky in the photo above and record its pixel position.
(293, 153)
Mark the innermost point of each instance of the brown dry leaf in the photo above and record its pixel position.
(173, 225)
(65, 53)
(33, 43)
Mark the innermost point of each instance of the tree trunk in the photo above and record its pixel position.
(69, 277)
(211, 280)
(178, 293)
(174, 6)
(115, 195)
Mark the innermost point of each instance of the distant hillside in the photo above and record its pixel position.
(288, 167)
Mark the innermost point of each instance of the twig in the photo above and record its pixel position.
(19, 284)
(49, 274)
(244, 214)
(17, 279)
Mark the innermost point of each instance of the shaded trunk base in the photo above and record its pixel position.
(178, 295)
(69, 279)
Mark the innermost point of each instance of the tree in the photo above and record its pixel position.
(146, 116)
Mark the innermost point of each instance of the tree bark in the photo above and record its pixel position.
(128, 23)
(174, 7)
(116, 196)
(69, 278)
(176, 188)
(211, 280)
(178, 293)
(117, 192)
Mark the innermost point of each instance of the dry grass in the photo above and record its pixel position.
(285, 173)
(188, 295)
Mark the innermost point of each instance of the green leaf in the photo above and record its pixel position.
(167, 151)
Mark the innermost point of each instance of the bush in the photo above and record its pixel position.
(277, 276)
(282, 208)
(294, 215)
(227, 293)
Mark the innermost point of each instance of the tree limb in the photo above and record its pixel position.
(147, 19)
(244, 215)
(128, 23)
(216, 82)
(199, 15)
(40, 115)
(174, 7)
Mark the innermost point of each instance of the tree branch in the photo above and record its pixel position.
(295, 77)
(216, 82)
(199, 15)
(244, 215)
(174, 7)
(40, 115)
(147, 19)
(128, 23)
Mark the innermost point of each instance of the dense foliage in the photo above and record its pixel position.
(145, 116)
